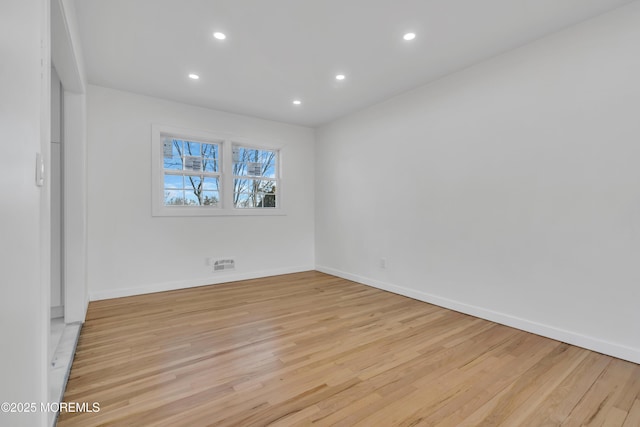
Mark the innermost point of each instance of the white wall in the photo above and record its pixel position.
(24, 213)
(510, 190)
(131, 252)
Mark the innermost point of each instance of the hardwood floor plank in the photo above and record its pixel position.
(633, 416)
(312, 349)
(558, 405)
(592, 410)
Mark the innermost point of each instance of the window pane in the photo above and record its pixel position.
(267, 156)
(241, 185)
(172, 149)
(173, 181)
(192, 149)
(269, 171)
(173, 197)
(238, 154)
(210, 165)
(266, 186)
(268, 201)
(193, 182)
(243, 200)
(190, 199)
(252, 155)
(210, 183)
(210, 154)
(254, 193)
(240, 169)
(210, 198)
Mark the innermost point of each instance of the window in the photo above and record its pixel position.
(254, 178)
(191, 172)
(200, 174)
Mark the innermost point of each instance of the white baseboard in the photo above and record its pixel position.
(222, 277)
(580, 340)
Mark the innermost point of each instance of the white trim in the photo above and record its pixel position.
(216, 278)
(41, 376)
(612, 349)
(64, 49)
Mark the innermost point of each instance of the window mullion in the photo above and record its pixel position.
(226, 175)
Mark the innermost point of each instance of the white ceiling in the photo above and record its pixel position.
(279, 50)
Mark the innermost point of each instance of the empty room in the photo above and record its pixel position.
(320, 212)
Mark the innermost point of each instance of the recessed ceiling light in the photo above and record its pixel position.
(340, 77)
(193, 76)
(219, 36)
(297, 102)
(409, 36)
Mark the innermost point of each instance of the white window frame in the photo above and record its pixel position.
(226, 143)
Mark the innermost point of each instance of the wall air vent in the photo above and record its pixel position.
(224, 265)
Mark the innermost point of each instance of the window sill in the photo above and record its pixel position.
(204, 212)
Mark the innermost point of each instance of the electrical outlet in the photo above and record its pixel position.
(383, 263)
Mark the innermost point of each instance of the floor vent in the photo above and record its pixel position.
(224, 265)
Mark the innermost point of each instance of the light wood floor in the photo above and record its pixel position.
(310, 348)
